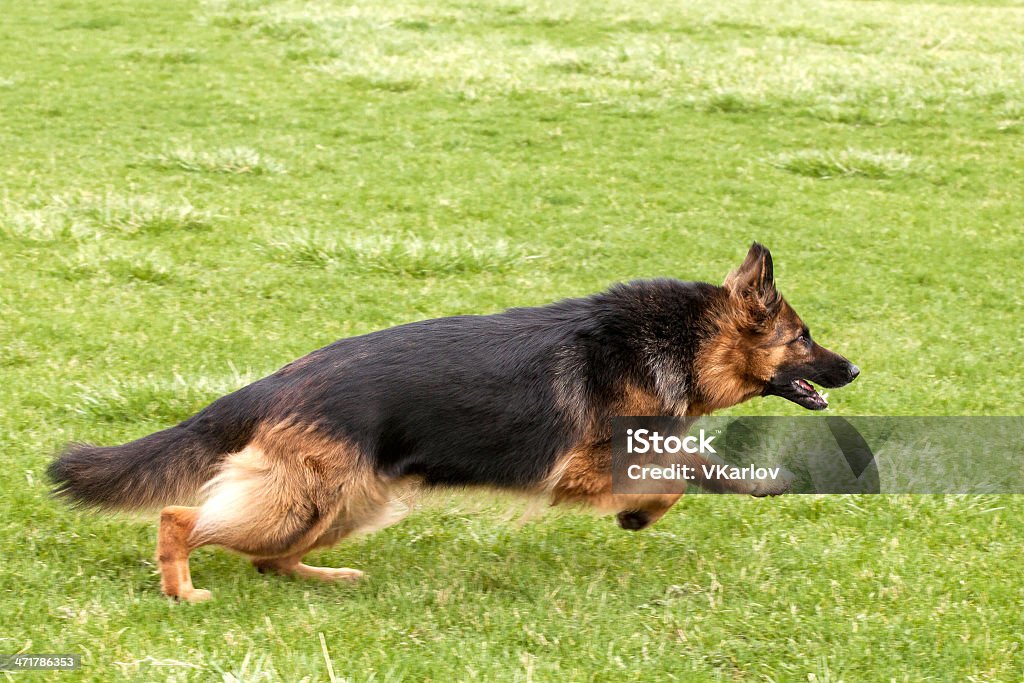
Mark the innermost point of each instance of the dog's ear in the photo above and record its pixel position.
(753, 283)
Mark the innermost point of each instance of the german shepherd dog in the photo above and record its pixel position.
(520, 400)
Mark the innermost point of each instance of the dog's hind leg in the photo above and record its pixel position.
(292, 564)
(373, 514)
(172, 550)
(290, 490)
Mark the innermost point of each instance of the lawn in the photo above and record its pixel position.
(195, 193)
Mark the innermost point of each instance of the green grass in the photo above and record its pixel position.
(848, 162)
(195, 193)
(399, 255)
(230, 160)
(85, 218)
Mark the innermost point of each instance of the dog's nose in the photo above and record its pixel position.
(854, 371)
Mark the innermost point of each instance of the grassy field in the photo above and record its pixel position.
(195, 193)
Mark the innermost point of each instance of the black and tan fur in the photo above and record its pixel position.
(520, 400)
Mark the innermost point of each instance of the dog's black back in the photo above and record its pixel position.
(489, 399)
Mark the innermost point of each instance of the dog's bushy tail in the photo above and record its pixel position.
(165, 467)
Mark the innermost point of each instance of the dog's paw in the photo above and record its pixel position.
(633, 520)
(339, 574)
(195, 595)
(773, 487)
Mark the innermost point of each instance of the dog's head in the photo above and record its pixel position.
(761, 347)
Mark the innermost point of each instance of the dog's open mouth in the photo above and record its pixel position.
(799, 391)
(807, 396)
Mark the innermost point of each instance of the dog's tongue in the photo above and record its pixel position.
(804, 385)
